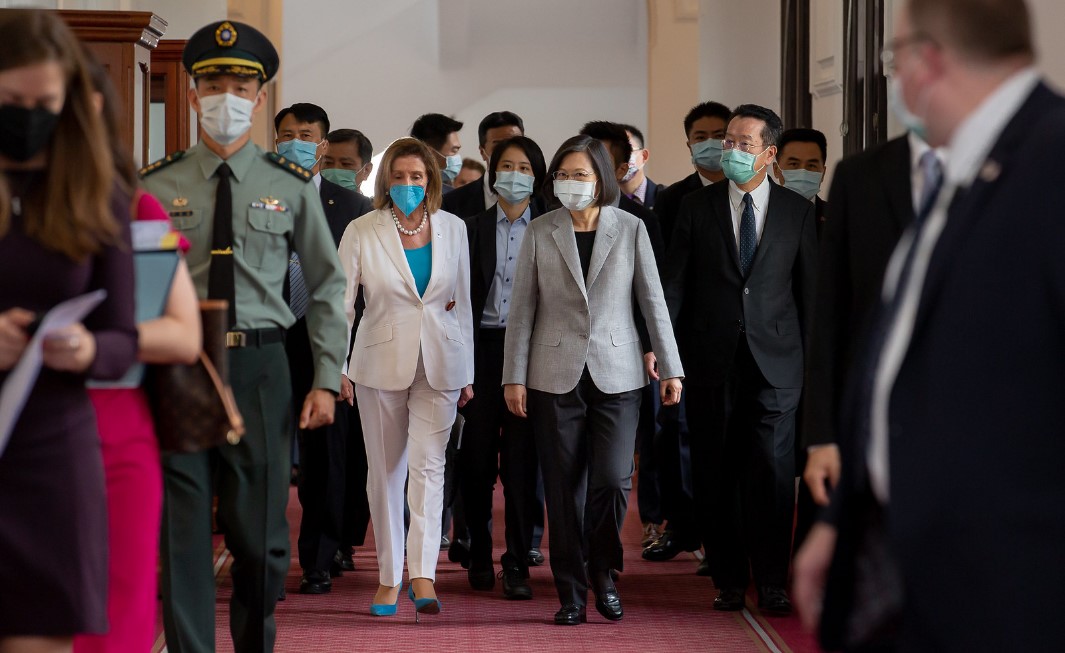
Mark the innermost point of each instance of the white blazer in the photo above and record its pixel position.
(397, 323)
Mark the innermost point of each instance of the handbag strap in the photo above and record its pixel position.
(225, 393)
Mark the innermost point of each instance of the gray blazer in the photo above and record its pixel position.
(558, 324)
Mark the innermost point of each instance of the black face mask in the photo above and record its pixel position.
(24, 132)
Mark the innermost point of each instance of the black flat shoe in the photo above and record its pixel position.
(514, 586)
(459, 551)
(482, 576)
(774, 600)
(571, 615)
(534, 558)
(609, 605)
(315, 581)
(729, 601)
(344, 559)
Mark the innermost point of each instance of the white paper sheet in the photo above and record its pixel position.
(19, 383)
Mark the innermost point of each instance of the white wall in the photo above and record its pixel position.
(556, 63)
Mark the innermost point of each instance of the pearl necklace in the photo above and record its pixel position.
(409, 232)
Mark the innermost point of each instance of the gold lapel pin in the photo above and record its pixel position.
(180, 202)
(990, 171)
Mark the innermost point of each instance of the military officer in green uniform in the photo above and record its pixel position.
(244, 210)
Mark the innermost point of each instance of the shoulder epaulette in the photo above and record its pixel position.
(161, 163)
(289, 166)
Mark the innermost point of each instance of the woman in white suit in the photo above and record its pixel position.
(573, 358)
(412, 360)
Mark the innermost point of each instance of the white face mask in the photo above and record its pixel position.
(225, 117)
(575, 195)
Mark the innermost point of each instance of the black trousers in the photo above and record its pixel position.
(673, 459)
(252, 482)
(648, 496)
(328, 497)
(585, 439)
(496, 442)
(743, 461)
(332, 489)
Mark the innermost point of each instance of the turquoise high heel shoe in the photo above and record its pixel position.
(386, 609)
(423, 606)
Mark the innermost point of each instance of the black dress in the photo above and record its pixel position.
(53, 511)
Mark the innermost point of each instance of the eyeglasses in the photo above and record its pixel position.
(742, 146)
(576, 175)
(887, 53)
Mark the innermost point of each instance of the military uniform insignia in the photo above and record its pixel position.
(180, 202)
(269, 200)
(288, 166)
(226, 35)
(160, 164)
(275, 206)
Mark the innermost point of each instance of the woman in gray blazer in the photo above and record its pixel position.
(574, 364)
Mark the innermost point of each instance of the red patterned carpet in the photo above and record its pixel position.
(667, 608)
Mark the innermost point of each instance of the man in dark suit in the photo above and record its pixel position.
(704, 127)
(496, 442)
(948, 511)
(800, 167)
(473, 199)
(634, 183)
(347, 162)
(441, 134)
(301, 136)
(871, 203)
(739, 283)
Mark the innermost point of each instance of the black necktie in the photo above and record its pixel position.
(748, 235)
(220, 278)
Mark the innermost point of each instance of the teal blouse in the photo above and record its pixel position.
(421, 265)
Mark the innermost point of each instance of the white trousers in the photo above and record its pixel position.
(406, 434)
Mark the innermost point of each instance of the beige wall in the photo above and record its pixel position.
(672, 85)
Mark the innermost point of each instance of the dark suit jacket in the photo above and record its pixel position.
(977, 430)
(821, 212)
(466, 201)
(667, 203)
(870, 205)
(712, 304)
(650, 220)
(341, 207)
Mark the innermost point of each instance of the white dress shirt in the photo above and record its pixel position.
(760, 199)
(968, 150)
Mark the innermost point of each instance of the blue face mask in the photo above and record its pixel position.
(302, 152)
(897, 104)
(452, 168)
(707, 154)
(514, 186)
(406, 198)
(739, 166)
(803, 182)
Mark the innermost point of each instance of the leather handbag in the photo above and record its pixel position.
(193, 405)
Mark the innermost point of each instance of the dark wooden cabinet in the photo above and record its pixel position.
(123, 42)
(169, 100)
